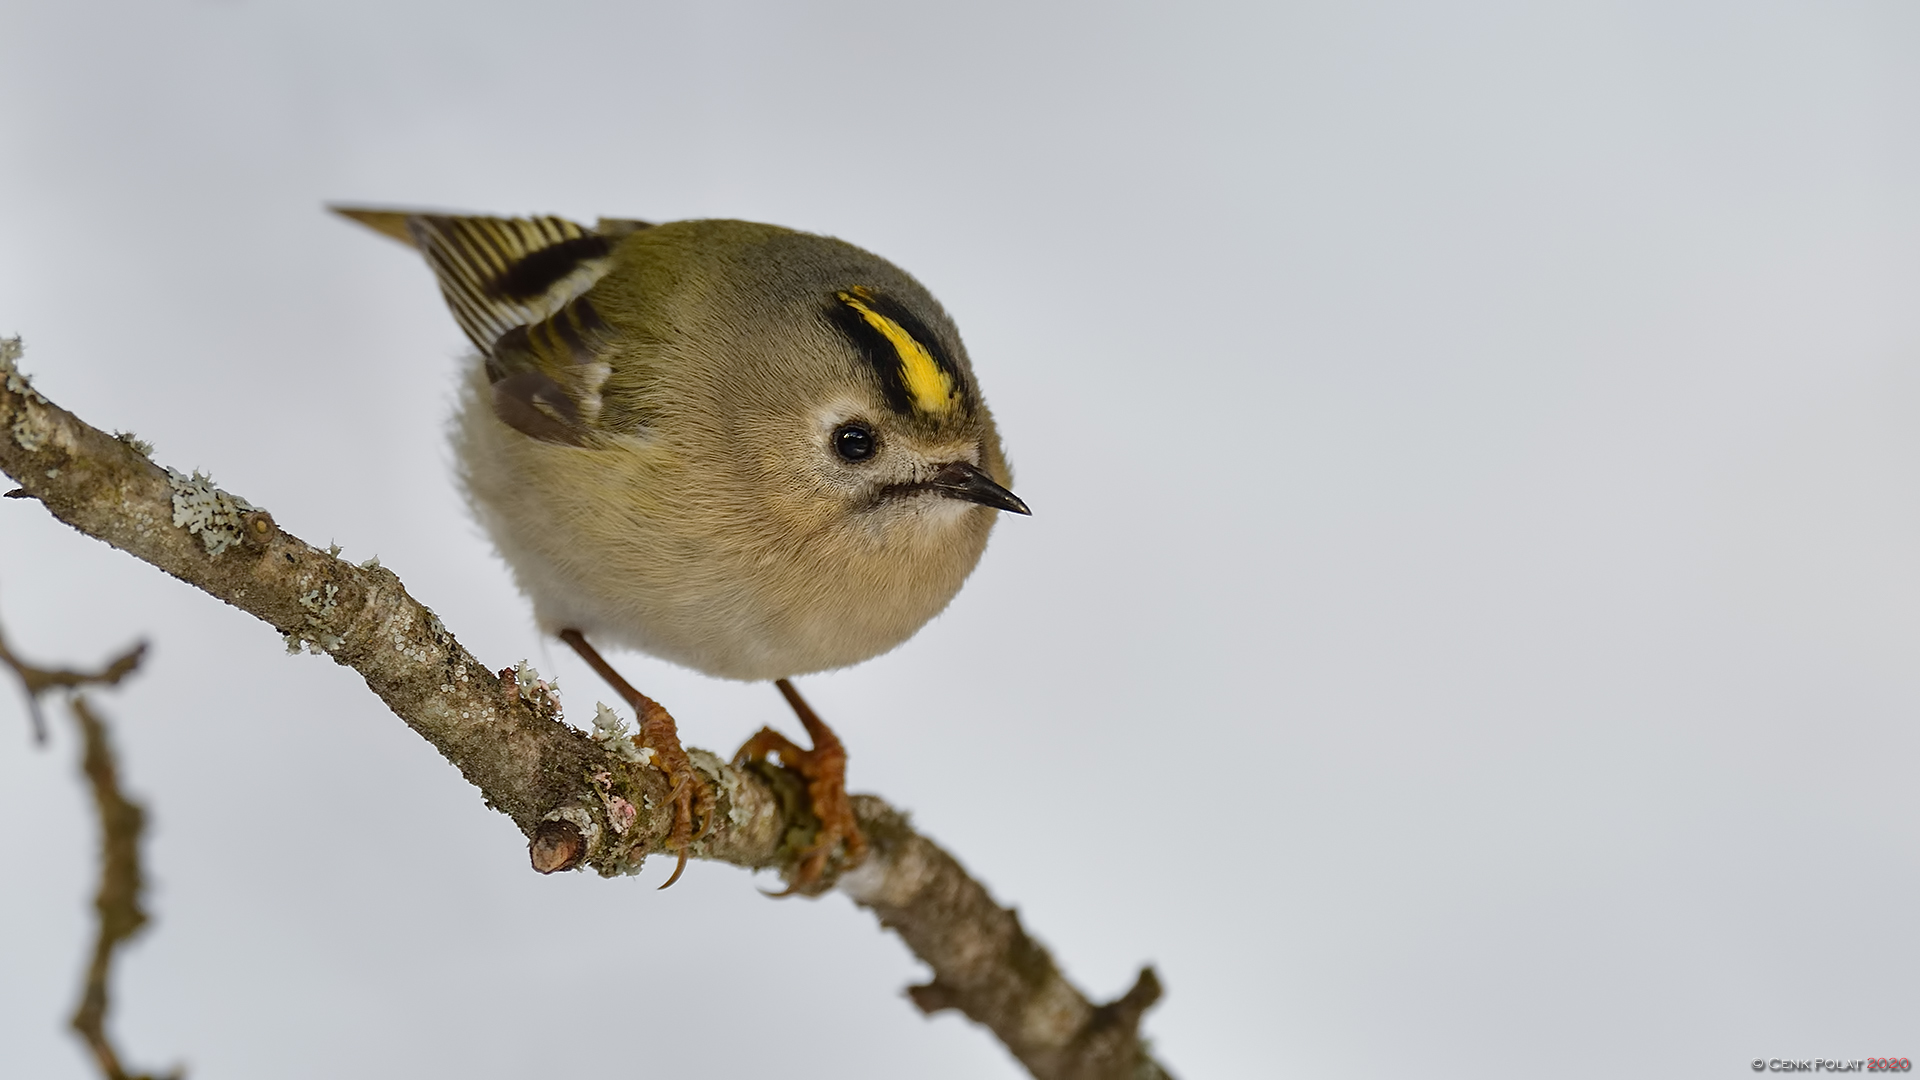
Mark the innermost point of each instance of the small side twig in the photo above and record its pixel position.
(38, 680)
(121, 823)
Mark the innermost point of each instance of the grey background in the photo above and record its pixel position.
(1468, 626)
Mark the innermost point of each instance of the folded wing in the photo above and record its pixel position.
(517, 287)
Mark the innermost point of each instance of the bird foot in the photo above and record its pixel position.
(824, 769)
(691, 796)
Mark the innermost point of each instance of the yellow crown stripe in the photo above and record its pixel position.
(929, 385)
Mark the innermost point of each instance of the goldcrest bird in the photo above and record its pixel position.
(752, 451)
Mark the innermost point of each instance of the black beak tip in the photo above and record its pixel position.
(964, 480)
(994, 497)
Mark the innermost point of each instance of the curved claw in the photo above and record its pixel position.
(678, 868)
(706, 823)
(658, 733)
(823, 768)
(682, 802)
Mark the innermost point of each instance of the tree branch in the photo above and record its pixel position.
(581, 800)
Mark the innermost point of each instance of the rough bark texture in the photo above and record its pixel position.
(581, 800)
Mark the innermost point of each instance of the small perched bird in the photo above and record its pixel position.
(749, 450)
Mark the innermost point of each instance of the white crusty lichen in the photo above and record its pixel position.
(320, 604)
(30, 430)
(203, 509)
(610, 731)
(11, 350)
(535, 690)
(709, 762)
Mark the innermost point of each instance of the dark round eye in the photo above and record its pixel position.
(854, 442)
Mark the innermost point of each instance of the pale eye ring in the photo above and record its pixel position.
(854, 442)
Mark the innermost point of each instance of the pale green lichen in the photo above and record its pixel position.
(214, 515)
(371, 564)
(11, 350)
(709, 762)
(30, 429)
(135, 443)
(320, 604)
(536, 691)
(610, 731)
(29, 435)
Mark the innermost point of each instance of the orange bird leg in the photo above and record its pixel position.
(824, 768)
(691, 793)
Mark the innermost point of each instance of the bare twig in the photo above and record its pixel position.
(580, 800)
(121, 821)
(38, 680)
(118, 901)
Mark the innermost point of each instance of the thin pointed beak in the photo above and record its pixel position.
(963, 480)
